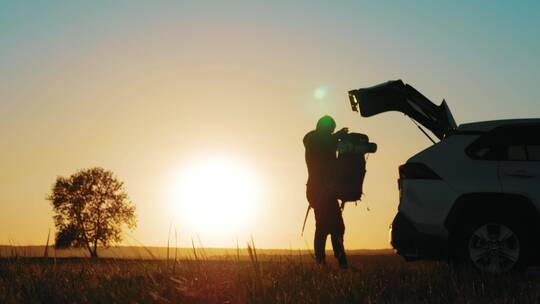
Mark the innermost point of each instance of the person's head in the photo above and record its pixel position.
(326, 124)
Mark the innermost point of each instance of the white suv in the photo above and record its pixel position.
(473, 197)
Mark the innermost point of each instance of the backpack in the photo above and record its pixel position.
(351, 165)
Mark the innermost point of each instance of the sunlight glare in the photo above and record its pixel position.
(217, 197)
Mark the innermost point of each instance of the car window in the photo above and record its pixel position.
(511, 143)
(481, 152)
(517, 153)
(533, 151)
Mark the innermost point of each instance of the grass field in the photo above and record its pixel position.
(293, 278)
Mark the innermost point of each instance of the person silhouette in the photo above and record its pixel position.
(321, 147)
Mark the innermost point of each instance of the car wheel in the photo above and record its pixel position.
(495, 247)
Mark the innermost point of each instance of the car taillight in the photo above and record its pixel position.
(416, 171)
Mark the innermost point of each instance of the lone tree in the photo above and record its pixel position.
(90, 208)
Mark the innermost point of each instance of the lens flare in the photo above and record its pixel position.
(320, 92)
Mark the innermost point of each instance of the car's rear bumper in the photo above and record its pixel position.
(414, 245)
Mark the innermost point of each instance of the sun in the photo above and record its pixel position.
(216, 197)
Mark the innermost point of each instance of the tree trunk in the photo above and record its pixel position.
(80, 226)
(93, 252)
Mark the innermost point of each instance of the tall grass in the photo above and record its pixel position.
(254, 278)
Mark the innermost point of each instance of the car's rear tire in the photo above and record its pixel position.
(492, 245)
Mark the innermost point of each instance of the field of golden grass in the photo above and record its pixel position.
(254, 278)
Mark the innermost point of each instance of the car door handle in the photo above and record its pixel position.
(521, 173)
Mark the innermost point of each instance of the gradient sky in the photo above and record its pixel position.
(146, 88)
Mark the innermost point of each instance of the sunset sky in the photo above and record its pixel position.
(157, 91)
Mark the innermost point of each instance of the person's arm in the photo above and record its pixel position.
(341, 133)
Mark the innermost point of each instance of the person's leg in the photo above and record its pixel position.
(321, 233)
(339, 249)
(320, 245)
(338, 230)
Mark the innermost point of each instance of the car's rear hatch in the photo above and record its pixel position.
(397, 96)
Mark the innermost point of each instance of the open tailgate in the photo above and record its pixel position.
(398, 96)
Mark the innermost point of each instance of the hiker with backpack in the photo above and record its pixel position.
(321, 146)
(333, 177)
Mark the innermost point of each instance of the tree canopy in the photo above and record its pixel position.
(90, 207)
